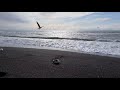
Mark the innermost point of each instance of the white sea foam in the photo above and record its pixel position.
(92, 47)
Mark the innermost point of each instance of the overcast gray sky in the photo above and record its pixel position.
(59, 20)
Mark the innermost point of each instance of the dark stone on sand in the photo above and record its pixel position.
(56, 61)
(2, 74)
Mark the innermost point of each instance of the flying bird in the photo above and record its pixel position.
(38, 25)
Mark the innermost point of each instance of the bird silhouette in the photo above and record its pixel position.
(39, 25)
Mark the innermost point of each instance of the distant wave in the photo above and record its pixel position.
(105, 40)
(53, 38)
(100, 40)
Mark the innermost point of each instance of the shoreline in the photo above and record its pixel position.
(37, 63)
(66, 50)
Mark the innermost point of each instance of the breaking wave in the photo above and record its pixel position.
(100, 40)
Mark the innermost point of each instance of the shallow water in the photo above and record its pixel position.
(103, 43)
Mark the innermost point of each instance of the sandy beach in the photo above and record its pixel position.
(38, 63)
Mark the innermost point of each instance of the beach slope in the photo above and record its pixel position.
(38, 63)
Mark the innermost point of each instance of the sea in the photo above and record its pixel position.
(104, 43)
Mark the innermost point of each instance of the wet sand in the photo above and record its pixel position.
(37, 63)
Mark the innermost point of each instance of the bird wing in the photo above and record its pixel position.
(38, 24)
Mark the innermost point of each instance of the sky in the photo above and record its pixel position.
(60, 20)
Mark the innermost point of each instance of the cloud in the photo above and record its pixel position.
(27, 20)
(52, 20)
(10, 17)
(102, 19)
(50, 15)
(70, 14)
(111, 26)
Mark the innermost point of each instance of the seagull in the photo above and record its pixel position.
(38, 25)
